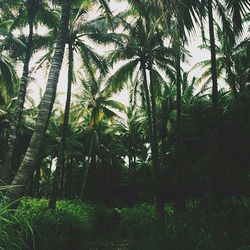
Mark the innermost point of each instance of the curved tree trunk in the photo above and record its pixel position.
(61, 154)
(8, 171)
(213, 55)
(28, 167)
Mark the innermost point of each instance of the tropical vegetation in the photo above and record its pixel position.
(147, 148)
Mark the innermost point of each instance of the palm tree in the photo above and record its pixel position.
(132, 135)
(213, 54)
(144, 50)
(32, 153)
(237, 9)
(226, 54)
(32, 7)
(28, 164)
(97, 97)
(77, 31)
(179, 18)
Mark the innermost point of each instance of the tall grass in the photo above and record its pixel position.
(14, 228)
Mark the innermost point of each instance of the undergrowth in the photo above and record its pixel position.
(73, 223)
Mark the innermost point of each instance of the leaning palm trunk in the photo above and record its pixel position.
(28, 164)
(213, 55)
(61, 154)
(8, 170)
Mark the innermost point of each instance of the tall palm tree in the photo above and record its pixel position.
(78, 29)
(28, 164)
(144, 50)
(213, 54)
(46, 104)
(226, 52)
(179, 19)
(236, 9)
(32, 8)
(131, 133)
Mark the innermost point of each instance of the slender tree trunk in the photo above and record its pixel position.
(8, 171)
(213, 55)
(180, 199)
(147, 98)
(27, 167)
(37, 181)
(84, 180)
(154, 147)
(231, 79)
(61, 154)
(151, 113)
(134, 182)
(69, 178)
(130, 173)
(178, 93)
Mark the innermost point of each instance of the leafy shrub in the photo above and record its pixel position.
(67, 227)
(196, 228)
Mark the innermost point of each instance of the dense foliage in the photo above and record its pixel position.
(86, 226)
(182, 138)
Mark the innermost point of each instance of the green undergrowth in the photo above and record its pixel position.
(73, 223)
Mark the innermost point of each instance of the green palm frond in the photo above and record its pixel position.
(8, 79)
(119, 54)
(116, 82)
(90, 56)
(115, 105)
(48, 17)
(238, 9)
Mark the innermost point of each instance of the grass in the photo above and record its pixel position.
(74, 224)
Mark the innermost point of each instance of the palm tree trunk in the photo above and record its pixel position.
(151, 113)
(178, 92)
(8, 170)
(180, 199)
(87, 167)
(154, 147)
(213, 55)
(61, 154)
(28, 164)
(231, 79)
(69, 178)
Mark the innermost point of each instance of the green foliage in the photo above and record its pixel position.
(75, 224)
(14, 229)
(68, 226)
(196, 228)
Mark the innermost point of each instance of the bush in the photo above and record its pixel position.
(73, 224)
(225, 229)
(67, 227)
